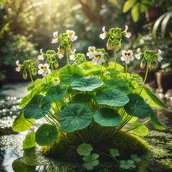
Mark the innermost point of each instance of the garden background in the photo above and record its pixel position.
(26, 26)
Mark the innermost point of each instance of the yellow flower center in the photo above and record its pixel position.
(127, 54)
(91, 49)
(98, 56)
(70, 33)
(44, 68)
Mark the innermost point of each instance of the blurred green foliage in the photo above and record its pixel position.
(27, 26)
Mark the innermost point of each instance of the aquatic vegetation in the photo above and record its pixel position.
(90, 106)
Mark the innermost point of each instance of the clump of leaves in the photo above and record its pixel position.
(90, 160)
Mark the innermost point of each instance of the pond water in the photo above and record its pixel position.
(11, 142)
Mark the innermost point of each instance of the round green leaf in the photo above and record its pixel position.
(46, 135)
(56, 93)
(91, 158)
(82, 98)
(139, 129)
(29, 141)
(137, 106)
(107, 117)
(84, 149)
(68, 74)
(86, 83)
(122, 85)
(114, 152)
(38, 107)
(75, 117)
(112, 97)
(21, 124)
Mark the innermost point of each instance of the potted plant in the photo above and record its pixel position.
(92, 108)
(164, 75)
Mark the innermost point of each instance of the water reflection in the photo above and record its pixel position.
(6, 159)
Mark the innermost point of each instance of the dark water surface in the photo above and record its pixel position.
(11, 142)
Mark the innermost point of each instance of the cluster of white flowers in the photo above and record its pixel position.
(127, 56)
(97, 57)
(70, 33)
(104, 34)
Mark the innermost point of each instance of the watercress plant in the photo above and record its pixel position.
(83, 94)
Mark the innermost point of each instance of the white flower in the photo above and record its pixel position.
(55, 40)
(18, 66)
(138, 54)
(103, 35)
(43, 69)
(40, 57)
(91, 52)
(71, 35)
(127, 56)
(98, 58)
(60, 53)
(72, 56)
(127, 34)
(159, 56)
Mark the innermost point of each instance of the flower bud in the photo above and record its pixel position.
(56, 64)
(142, 65)
(25, 74)
(34, 72)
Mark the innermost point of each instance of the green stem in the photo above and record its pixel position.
(115, 57)
(30, 75)
(52, 67)
(146, 75)
(67, 56)
(147, 71)
(126, 69)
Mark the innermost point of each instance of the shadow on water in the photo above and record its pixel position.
(13, 158)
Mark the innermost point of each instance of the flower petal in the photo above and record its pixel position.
(122, 58)
(54, 41)
(138, 50)
(103, 29)
(160, 58)
(18, 69)
(40, 72)
(47, 65)
(128, 34)
(123, 52)
(40, 57)
(39, 66)
(55, 34)
(102, 36)
(137, 56)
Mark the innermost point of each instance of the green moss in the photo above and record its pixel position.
(66, 146)
(161, 148)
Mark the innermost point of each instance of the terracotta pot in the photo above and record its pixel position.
(153, 13)
(164, 82)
